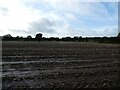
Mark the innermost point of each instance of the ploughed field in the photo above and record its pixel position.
(60, 65)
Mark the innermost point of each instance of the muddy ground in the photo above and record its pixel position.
(60, 65)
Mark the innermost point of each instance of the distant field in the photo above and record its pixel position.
(60, 65)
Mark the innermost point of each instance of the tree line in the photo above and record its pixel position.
(39, 37)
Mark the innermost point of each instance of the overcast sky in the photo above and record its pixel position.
(59, 18)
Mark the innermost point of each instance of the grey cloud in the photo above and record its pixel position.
(43, 25)
(111, 31)
(94, 33)
(19, 31)
(4, 10)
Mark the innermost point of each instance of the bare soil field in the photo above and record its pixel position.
(60, 65)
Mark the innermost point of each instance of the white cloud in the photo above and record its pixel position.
(73, 1)
(19, 16)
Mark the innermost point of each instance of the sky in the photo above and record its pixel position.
(59, 18)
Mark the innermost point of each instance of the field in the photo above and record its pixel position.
(60, 65)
